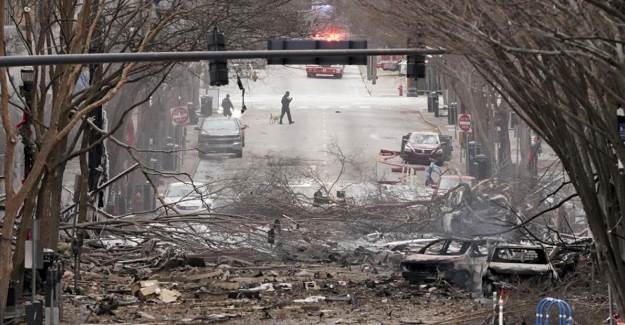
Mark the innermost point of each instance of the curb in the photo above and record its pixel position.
(363, 81)
(428, 122)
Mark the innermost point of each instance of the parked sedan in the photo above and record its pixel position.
(420, 147)
(221, 135)
(188, 198)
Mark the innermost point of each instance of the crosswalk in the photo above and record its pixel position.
(327, 107)
(321, 102)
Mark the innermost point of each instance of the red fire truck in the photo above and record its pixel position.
(336, 71)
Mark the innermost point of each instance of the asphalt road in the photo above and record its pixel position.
(328, 114)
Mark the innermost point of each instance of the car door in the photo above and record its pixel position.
(404, 140)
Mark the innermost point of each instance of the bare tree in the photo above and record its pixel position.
(557, 64)
(64, 112)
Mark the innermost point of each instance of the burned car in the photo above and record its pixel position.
(511, 262)
(458, 261)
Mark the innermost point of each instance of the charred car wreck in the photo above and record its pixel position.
(460, 262)
(512, 263)
(477, 265)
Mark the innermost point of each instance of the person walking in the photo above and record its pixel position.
(286, 100)
(227, 106)
(433, 168)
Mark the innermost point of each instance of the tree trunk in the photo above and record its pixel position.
(49, 211)
(524, 148)
(503, 153)
(18, 257)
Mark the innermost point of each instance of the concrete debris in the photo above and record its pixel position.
(311, 285)
(145, 289)
(169, 296)
(151, 289)
(304, 274)
(263, 287)
(283, 286)
(145, 315)
(320, 276)
(311, 299)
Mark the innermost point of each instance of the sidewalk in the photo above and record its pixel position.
(386, 85)
(546, 159)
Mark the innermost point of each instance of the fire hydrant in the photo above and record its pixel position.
(400, 88)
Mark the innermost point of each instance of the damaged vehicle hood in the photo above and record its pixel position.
(432, 258)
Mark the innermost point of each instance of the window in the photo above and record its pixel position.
(455, 248)
(446, 247)
(212, 125)
(419, 138)
(434, 249)
(479, 249)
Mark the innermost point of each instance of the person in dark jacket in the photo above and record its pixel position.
(227, 106)
(286, 100)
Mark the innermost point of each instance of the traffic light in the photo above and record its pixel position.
(415, 66)
(310, 44)
(218, 69)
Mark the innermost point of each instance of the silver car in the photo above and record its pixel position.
(188, 198)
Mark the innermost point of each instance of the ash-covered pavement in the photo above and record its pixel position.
(328, 114)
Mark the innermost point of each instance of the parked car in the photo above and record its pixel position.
(221, 135)
(458, 261)
(512, 262)
(420, 147)
(188, 198)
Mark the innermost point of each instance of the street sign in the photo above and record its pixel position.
(464, 122)
(179, 115)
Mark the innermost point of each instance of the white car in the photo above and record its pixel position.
(188, 198)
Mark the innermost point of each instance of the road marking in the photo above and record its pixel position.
(302, 107)
(324, 107)
(365, 106)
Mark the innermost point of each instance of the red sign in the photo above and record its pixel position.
(464, 122)
(179, 115)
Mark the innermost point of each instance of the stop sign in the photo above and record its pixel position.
(179, 115)
(464, 122)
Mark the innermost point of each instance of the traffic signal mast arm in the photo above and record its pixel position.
(96, 58)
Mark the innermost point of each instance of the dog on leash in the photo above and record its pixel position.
(273, 119)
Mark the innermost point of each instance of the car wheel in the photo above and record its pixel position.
(340, 76)
(239, 154)
(309, 75)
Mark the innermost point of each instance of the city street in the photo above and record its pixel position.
(441, 162)
(326, 111)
